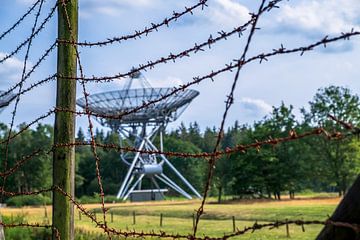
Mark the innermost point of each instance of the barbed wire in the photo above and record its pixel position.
(21, 82)
(198, 47)
(33, 34)
(133, 233)
(30, 72)
(349, 126)
(139, 33)
(31, 225)
(196, 80)
(228, 104)
(211, 157)
(241, 148)
(17, 23)
(277, 224)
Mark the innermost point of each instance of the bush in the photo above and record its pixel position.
(23, 233)
(31, 200)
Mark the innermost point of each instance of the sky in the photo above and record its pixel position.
(290, 79)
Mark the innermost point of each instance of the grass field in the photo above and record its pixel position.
(217, 220)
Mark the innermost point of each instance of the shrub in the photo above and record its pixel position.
(31, 200)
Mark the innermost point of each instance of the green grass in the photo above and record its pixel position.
(216, 221)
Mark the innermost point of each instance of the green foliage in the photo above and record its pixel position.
(24, 233)
(28, 200)
(34, 174)
(311, 163)
(338, 160)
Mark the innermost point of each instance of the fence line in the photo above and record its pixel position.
(211, 157)
(17, 100)
(139, 33)
(242, 148)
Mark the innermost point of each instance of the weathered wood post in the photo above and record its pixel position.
(234, 223)
(287, 228)
(64, 129)
(2, 234)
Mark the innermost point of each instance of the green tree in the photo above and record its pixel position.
(35, 173)
(337, 163)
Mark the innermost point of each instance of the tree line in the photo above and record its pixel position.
(314, 163)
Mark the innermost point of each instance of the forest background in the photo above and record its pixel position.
(313, 163)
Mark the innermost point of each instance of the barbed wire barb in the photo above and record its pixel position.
(139, 33)
(17, 23)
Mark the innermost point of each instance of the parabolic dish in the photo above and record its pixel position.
(116, 103)
(6, 99)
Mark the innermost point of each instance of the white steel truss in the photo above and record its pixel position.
(148, 165)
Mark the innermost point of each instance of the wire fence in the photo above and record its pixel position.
(247, 30)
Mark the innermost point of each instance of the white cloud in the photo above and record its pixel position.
(27, 2)
(320, 16)
(156, 83)
(255, 107)
(90, 8)
(10, 70)
(228, 13)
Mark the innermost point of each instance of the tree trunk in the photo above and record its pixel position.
(347, 211)
(220, 193)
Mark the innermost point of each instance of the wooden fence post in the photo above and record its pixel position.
(134, 218)
(234, 224)
(2, 234)
(64, 128)
(161, 219)
(287, 229)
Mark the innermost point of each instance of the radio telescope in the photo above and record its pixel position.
(5, 100)
(138, 129)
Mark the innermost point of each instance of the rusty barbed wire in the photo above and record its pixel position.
(255, 227)
(222, 35)
(228, 68)
(17, 23)
(34, 85)
(21, 82)
(348, 126)
(31, 71)
(241, 148)
(196, 80)
(235, 63)
(138, 33)
(34, 34)
(211, 157)
(31, 225)
(229, 103)
(12, 194)
(272, 225)
(19, 163)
